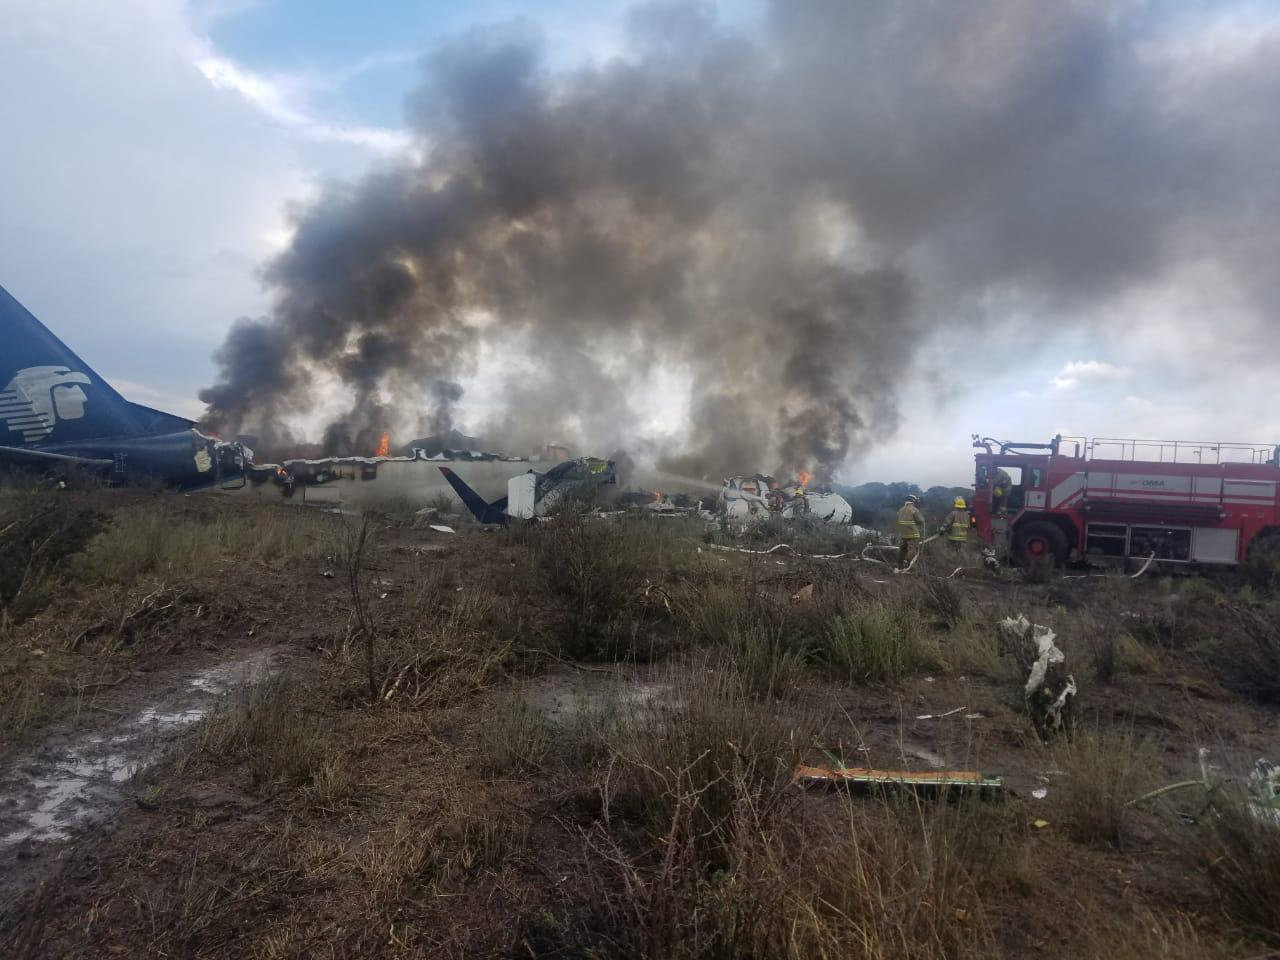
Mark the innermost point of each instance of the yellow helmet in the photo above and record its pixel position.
(960, 504)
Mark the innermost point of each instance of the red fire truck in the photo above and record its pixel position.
(1101, 499)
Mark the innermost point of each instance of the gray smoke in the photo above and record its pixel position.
(782, 211)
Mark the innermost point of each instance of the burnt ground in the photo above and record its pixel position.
(578, 742)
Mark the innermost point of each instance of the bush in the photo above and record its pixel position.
(1103, 771)
(947, 601)
(1237, 848)
(39, 531)
(597, 573)
(265, 727)
(769, 666)
(682, 771)
(877, 644)
(1246, 653)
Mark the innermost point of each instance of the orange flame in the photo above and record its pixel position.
(384, 445)
(803, 477)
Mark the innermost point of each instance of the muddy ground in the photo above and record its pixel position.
(240, 730)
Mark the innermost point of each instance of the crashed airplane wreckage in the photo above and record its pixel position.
(748, 500)
(532, 495)
(59, 417)
(367, 482)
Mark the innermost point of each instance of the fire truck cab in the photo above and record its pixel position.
(1108, 500)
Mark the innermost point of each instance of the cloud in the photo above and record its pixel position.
(1088, 371)
(138, 199)
(282, 98)
(1138, 405)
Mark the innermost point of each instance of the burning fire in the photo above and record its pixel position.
(803, 478)
(657, 495)
(384, 445)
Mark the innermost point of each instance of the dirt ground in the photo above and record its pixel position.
(258, 731)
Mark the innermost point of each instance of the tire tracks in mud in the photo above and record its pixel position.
(76, 780)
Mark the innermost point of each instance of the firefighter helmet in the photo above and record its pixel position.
(912, 498)
(960, 504)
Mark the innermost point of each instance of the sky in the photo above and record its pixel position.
(157, 152)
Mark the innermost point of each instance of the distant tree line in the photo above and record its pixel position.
(876, 504)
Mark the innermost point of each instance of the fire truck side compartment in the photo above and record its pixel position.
(1214, 546)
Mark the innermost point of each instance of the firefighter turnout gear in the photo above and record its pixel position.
(911, 522)
(911, 527)
(1000, 487)
(956, 526)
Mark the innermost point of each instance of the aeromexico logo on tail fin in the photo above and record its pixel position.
(33, 402)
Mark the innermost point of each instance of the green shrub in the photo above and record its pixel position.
(878, 644)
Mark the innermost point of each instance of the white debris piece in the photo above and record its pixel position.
(1020, 629)
(1048, 653)
(522, 496)
(1053, 716)
(1048, 696)
(441, 528)
(939, 716)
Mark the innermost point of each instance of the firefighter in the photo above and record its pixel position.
(911, 527)
(1000, 487)
(956, 526)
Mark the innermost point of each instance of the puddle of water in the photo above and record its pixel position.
(74, 781)
(565, 699)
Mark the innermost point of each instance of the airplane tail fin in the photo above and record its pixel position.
(49, 395)
(495, 512)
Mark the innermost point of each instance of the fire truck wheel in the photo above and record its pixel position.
(1038, 540)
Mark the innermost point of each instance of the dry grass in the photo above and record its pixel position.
(1246, 651)
(1149, 935)
(439, 645)
(681, 766)
(270, 730)
(852, 879)
(1103, 770)
(433, 850)
(600, 575)
(39, 534)
(1237, 850)
(435, 819)
(519, 737)
(173, 545)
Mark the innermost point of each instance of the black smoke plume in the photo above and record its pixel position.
(781, 211)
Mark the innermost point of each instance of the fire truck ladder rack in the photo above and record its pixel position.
(1175, 451)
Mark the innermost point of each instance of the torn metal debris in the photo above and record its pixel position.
(1050, 691)
(745, 501)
